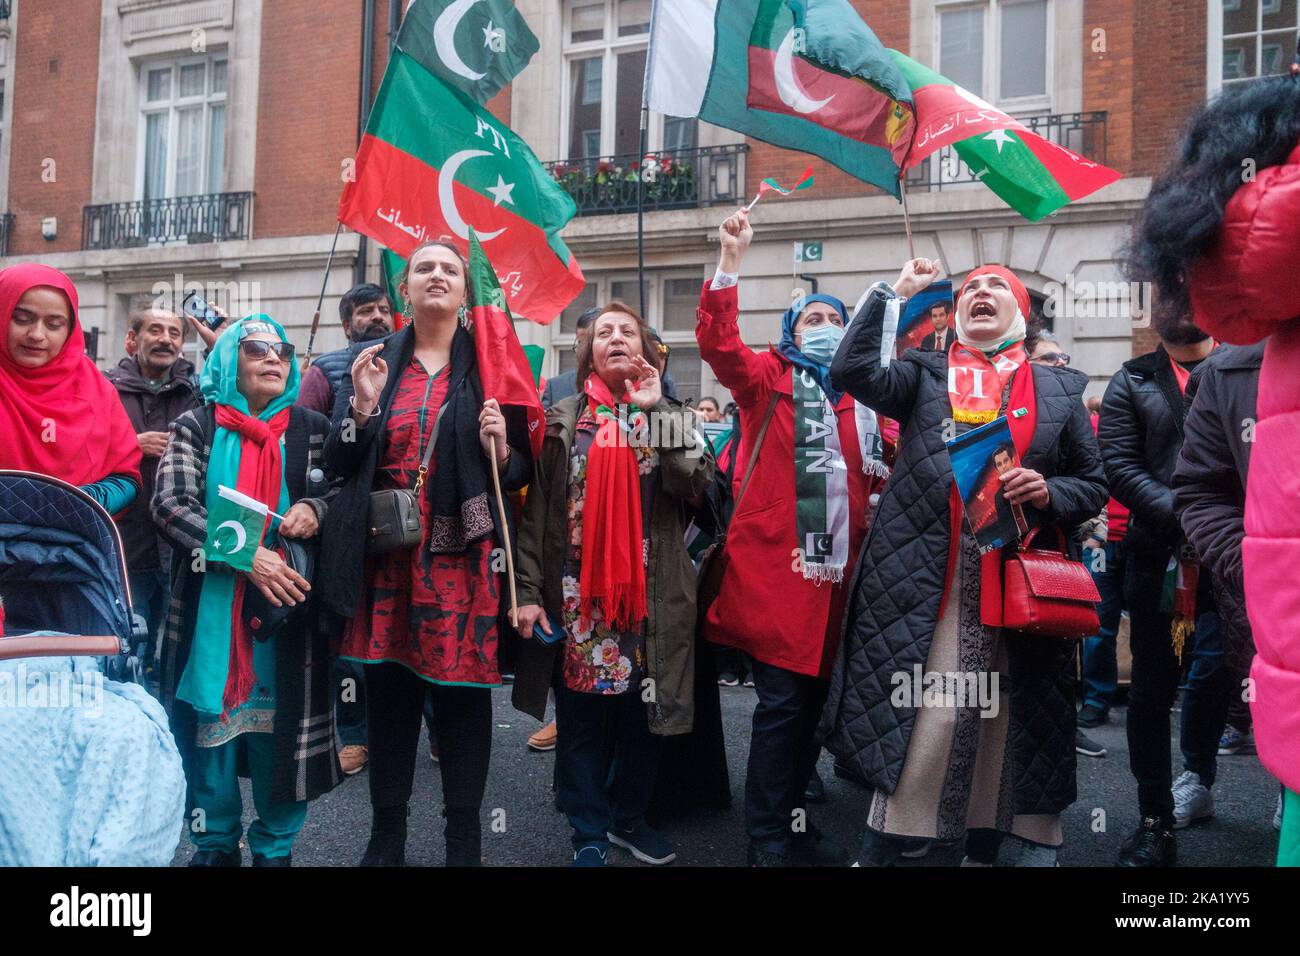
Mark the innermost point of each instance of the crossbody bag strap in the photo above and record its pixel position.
(433, 436)
(758, 446)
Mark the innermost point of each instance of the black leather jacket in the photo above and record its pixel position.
(1140, 433)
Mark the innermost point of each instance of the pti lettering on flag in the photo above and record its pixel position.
(433, 162)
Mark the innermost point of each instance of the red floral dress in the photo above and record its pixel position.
(433, 613)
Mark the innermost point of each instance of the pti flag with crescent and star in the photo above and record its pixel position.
(804, 75)
(433, 161)
(1030, 173)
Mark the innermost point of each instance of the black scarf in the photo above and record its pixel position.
(458, 487)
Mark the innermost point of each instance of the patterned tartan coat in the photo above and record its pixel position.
(306, 764)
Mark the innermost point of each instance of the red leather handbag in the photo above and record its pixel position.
(1045, 592)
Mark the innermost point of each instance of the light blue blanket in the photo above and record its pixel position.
(89, 772)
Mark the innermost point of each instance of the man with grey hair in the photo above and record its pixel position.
(155, 384)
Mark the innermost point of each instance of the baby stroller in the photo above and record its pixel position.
(89, 772)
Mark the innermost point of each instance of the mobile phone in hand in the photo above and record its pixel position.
(197, 308)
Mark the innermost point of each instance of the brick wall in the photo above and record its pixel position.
(891, 22)
(1108, 76)
(56, 73)
(1170, 40)
(307, 112)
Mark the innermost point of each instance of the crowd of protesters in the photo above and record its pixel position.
(840, 558)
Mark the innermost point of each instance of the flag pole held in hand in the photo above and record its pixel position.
(315, 319)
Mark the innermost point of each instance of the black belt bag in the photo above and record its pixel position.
(394, 519)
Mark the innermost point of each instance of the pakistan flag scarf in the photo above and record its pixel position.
(821, 483)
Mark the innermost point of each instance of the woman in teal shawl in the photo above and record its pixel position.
(260, 708)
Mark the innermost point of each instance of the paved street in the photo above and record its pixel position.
(535, 835)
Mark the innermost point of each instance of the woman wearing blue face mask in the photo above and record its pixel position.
(793, 536)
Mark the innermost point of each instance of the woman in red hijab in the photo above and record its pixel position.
(58, 413)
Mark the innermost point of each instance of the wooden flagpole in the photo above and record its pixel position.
(907, 220)
(315, 319)
(505, 539)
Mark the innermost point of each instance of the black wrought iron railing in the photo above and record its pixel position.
(213, 217)
(6, 227)
(1084, 133)
(670, 178)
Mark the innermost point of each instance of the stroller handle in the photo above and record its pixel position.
(63, 645)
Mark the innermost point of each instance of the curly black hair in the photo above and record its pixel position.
(1239, 132)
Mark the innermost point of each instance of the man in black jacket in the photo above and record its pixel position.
(1210, 497)
(156, 387)
(367, 316)
(1140, 432)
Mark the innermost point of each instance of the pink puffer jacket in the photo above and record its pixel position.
(1248, 287)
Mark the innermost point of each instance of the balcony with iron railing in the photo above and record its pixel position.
(212, 217)
(669, 179)
(6, 227)
(1084, 133)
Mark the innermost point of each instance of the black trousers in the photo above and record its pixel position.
(1156, 672)
(782, 752)
(395, 700)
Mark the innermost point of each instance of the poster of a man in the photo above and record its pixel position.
(979, 459)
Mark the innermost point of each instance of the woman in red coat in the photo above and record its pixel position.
(794, 534)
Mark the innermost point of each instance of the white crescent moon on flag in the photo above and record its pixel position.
(787, 86)
(447, 199)
(241, 536)
(444, 38)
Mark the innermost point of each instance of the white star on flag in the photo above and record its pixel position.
(501, 192)
(492, 36)
(1000, 136)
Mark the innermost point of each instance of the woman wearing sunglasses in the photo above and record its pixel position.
(261, 707)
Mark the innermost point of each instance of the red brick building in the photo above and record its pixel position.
(150, 145)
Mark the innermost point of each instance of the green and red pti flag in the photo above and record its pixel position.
(474, 46)
(503, 368)
(1031, 174)
(823, 84)
(433, 162)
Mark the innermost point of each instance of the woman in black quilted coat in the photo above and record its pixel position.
(990, 750)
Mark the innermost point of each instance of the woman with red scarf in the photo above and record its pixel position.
(59, 415)
(604, 575)
(992, 753)
(238, 705)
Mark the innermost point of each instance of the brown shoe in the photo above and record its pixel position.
(353, 759)
(544, 739)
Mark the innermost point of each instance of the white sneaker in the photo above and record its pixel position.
(967, 861)
(1192, 800)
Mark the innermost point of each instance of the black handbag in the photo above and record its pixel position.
(394, 520)
(263, 619)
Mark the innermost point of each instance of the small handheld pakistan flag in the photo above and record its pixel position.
(236, 524)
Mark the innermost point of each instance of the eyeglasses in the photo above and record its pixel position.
(258, 349)
(1054, 358)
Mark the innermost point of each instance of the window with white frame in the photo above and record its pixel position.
(1000, 50)
(183, 127)
(605, 44)
(671, 298)
(1252, 38)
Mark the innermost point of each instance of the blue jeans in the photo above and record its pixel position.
(606, 760)
(1100, 673)
(1208, 693)
(350, 701)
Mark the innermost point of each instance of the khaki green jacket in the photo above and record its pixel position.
(685, 470)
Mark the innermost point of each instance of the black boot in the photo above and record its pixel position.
(221, 858)
(464, 833)
(259, 860)
(1151, 845)
(387, 846)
